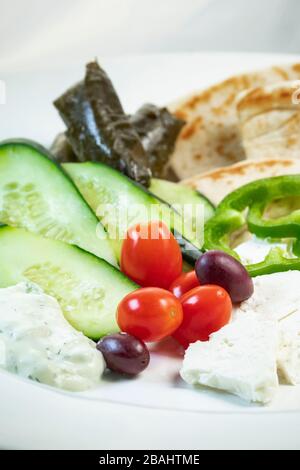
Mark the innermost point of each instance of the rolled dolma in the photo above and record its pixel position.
(61, 149)
(158, 130)
(99, 130)
(97, 127)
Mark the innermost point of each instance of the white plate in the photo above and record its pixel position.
(155, 411)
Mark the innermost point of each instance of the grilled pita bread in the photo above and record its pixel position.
(270, 121)
(216, 184)
(211, 137)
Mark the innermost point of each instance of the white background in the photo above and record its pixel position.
(67, 31)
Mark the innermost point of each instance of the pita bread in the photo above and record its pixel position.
(270, 121)
(216, 184)
(211, 137)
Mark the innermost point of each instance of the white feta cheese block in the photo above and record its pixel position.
(239, 359)
(288, 360)
(38, 343)
(275, 296)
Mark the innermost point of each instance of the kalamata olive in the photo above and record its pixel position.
(221, 269)
(124, 353)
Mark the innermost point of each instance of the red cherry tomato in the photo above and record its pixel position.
(149, 314)
(206, 309)
(151, 255)
(184, 283)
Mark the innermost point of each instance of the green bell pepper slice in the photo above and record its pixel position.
(246, 206)
(269, 190)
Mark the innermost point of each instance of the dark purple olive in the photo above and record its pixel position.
(221, 269)
(124, 353)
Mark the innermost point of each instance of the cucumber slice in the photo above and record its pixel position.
(119, 203)
(174, 193)
(37, 195)
(87, 288)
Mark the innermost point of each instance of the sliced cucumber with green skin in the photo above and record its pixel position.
(120, 203)
(174, 193)
(36, 194)
(87, 288)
